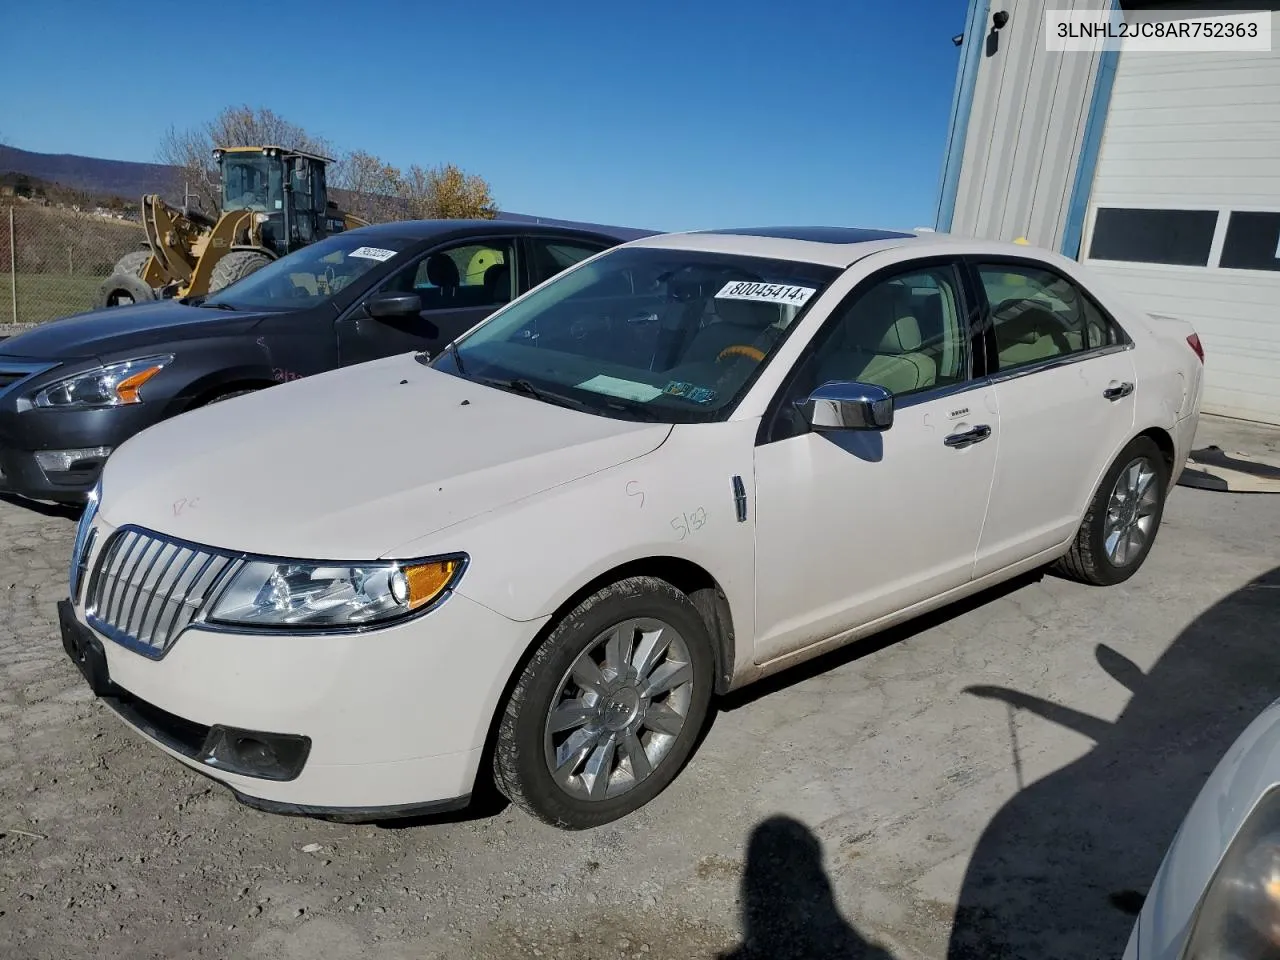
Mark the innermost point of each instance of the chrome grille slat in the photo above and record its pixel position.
(139, 588)
(125, 583)
(118, 563)
(146, 589)
(174, 551)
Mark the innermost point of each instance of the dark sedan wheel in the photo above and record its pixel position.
(609, 708)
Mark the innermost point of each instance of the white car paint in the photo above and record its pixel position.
(1248, 771)
(393, 459)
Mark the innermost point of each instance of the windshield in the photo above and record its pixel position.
(308, 277)
(251, 182)
(644, 333)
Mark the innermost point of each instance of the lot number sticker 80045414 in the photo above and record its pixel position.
(783, 293)
(372, 253)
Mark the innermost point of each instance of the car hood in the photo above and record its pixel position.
(102, 332)
(346, 465)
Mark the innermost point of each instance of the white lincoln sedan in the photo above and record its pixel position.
(682, 465)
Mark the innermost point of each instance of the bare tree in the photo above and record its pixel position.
(373, 186)
(447, 193)
(192, 149)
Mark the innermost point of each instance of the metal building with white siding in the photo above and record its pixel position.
(1159, 169)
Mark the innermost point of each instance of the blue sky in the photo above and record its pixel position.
(666, 114)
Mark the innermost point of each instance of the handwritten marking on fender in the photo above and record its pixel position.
(637, 492)
(687, 524)
(179, 506)
(283, 376)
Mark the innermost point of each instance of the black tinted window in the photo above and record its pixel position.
(551, 255)
(1252, 242)
(1181, 237)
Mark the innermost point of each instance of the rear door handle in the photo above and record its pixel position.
(1118, 390)
(969, 437)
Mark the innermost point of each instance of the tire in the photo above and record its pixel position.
(124, 289)
(235, 266)
(620, 708)
(134, 263)
(230, 394)
(1110, 516)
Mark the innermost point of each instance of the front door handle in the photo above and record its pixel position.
(969, 437)
(1118, 390)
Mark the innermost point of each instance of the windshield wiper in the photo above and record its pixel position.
(217, 306)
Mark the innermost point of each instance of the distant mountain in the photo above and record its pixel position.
(106, 178)
(130, 181)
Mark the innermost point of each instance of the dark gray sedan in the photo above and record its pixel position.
(72, 391)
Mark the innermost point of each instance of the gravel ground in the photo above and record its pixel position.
(999, 781)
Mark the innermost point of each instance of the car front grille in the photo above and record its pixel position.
(146, 589)
(14, 371)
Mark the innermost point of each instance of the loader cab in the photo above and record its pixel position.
(285, 189)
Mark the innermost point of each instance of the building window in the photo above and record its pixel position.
(1252, 242)
(1181, 237)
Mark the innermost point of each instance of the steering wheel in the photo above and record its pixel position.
(741, 350)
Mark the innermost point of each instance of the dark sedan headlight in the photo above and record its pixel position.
(111, 385)
(273, 595)
(1239, 915)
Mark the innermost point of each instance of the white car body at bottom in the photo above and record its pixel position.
(392, 459)
(1240, 788)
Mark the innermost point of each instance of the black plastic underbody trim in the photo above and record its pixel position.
(353, 814)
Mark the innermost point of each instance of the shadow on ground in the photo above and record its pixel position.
(64, 510)
(1061, 870)
(788, 911)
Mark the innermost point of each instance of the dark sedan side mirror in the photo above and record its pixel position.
(386, 305)
(844, 405)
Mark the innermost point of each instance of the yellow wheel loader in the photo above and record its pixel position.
(274, 201)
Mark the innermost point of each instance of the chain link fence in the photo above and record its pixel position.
(53, 259)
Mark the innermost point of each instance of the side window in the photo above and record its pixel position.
(461, 276)
(1037, 314)
(906, 333)
(550, 256)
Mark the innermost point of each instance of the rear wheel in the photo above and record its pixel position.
(609, 708)
(1123, 519)
(235, 266)
(134, 263)
(124, 288)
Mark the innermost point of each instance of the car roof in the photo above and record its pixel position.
(429, 229)
(830, 246)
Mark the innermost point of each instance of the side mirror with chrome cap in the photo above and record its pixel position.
(849, 405)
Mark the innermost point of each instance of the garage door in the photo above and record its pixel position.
(1185, 210)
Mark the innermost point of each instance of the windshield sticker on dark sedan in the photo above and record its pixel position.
(372, 253)
(783, 293)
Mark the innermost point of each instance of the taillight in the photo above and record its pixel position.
(1194, 341)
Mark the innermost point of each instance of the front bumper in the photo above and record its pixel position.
(22, 476)
(24, 433)
(395, 719)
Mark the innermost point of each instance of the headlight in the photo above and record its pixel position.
(273, 595)
(113, 385)
(1239, 915)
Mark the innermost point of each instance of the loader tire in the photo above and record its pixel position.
(134, 263)
(124, 289)
(235, 266)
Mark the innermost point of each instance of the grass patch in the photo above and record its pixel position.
(47, 296)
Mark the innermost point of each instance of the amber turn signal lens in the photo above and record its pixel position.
(127, 389)
(428, 580)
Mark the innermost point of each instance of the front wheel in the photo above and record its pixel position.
(1123, 518)
(609, 708)
(235, 266)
